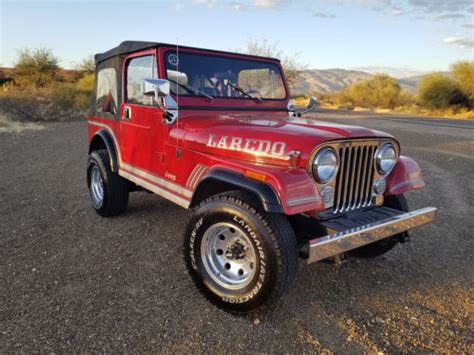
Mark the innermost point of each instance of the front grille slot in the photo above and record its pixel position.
(355, 177)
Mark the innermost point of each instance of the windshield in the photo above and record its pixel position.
(221, 77)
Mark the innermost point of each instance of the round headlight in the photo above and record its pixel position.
(386, 158)
(325, 165)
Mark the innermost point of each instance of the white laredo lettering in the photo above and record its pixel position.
(248, 145)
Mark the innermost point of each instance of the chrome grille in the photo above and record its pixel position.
(355, 176)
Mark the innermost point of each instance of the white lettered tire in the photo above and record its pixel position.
(240, 258)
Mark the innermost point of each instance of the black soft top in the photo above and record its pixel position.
(133, 46)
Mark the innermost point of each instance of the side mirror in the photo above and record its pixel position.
(155, 87)
(291, 108)
(312, 104)
(160, 90)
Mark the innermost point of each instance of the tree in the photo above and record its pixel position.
(436, 90)
(463, 72)
(87, 65)
(292, 64)
(36, 68)
(380, 91)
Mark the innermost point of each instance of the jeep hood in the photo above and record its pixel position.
(261, 138)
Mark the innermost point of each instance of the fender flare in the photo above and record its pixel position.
(406, 176)
(264, 192)
(108, 141)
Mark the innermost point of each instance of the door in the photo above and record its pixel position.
(141, 120)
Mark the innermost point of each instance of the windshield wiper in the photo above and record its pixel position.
(239, 89)
(192, 89)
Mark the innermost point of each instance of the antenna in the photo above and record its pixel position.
(178, 151)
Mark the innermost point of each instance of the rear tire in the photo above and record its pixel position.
(239, 257)
(385, 245)
(108, 191)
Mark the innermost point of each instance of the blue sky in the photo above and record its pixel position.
(414, 35)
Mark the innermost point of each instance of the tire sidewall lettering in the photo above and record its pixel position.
(192, 242)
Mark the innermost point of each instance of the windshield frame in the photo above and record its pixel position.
(236, 56)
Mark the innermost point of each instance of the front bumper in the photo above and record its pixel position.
(353, 231)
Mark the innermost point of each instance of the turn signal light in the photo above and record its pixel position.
(254, 175)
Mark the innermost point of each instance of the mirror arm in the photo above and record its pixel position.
(309, 109)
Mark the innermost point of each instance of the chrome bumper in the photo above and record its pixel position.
(393, 222)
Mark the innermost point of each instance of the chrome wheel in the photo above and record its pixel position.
(97, 186)
(228, 255)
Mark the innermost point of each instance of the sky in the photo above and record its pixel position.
(400, 37)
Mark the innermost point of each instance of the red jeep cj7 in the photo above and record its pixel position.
(215, 132)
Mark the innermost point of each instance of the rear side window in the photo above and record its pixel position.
(106, 98)
(139, 69)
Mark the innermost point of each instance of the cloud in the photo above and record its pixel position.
(444, 8)
(237, 6)
(268, 4)
(179, 7)
(254, 4)
(323, 15)
(208, 3)
(452, 16)
(468, 25)
(460, 42)
(396, 12)
(439, 6)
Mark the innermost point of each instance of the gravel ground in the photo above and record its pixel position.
(72, 281)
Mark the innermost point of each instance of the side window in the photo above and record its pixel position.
(139, 69)
(106, 98)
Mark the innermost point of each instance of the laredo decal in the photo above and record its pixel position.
(248, 145)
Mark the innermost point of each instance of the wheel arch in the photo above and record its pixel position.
(221, 180)
(103, 140)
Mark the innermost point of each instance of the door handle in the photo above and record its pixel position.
(127, 113)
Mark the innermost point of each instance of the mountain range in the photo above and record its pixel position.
(328, 80)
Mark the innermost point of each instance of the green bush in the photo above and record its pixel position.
(436, 91)
(36, 69)
(380, 91)
(39, 94)
(463, 72)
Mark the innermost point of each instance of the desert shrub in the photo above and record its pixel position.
(86, 83)
(436, 90)
(405, 99)
(338, 99)
(60, 102)
(463, 72)
(86, 65)
(380, 91)
(69, 96)
(36, 69)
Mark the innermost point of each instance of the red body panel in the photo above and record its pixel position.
(239, 135)
(406, 176)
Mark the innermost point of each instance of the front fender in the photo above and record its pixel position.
(291, 191)
(406, 176)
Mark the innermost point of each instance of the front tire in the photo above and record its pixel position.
(240, 258)
(108, 191)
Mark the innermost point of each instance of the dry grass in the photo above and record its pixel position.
(10, 126)
(59, 102)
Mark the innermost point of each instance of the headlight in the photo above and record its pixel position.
(325, 165)
(386, 158)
